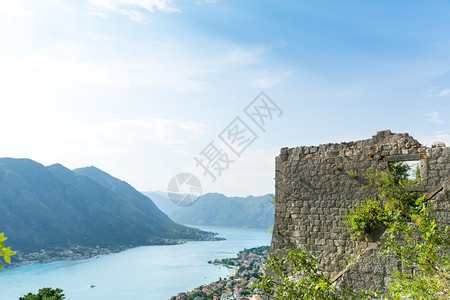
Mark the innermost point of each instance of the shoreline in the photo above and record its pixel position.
(153, 272)
(78, 252)
(62, 254)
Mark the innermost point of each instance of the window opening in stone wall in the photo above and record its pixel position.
(402, 170)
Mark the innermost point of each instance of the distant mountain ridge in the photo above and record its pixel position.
(215, 209)
(44, 207)
(161, 199)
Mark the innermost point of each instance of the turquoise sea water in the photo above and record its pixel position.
(150, 272)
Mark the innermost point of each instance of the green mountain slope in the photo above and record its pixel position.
(218, 210)
(45, 207)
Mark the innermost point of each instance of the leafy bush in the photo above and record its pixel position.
(395, 200)
(365, 218)
(45, 294)
(395, 192)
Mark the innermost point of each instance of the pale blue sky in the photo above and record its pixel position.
(140, 87)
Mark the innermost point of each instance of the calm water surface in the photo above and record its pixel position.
(150, 272)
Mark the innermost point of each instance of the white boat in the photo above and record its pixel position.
(92, 283)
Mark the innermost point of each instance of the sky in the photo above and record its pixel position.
(142, 88)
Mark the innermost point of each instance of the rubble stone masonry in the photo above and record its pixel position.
(317, 185)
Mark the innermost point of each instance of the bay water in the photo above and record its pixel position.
(147, 272)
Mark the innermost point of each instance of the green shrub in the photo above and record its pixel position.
(395, 192)
(45, 294)
(365, 218)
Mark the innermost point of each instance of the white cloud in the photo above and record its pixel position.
(167, 64)
(167, 133)
(134, 15)
(266, 79)
(242, 55)
(13, 9)
(45, 71)
(444, 92)
(202, 2)
(134, 9)
(433, 117)
(436, 137)
(438, 91)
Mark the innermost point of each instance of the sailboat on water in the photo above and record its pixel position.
(92, 283)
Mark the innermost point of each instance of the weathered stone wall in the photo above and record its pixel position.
(441, 204)
(317, 185)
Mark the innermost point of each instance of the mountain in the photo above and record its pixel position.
(46, 207)
(219, 210)
(162, 201)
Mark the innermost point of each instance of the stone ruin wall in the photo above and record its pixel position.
(314, 192)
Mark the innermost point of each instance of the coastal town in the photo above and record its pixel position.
(77, 252)
(246, 268)
(60, 254)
